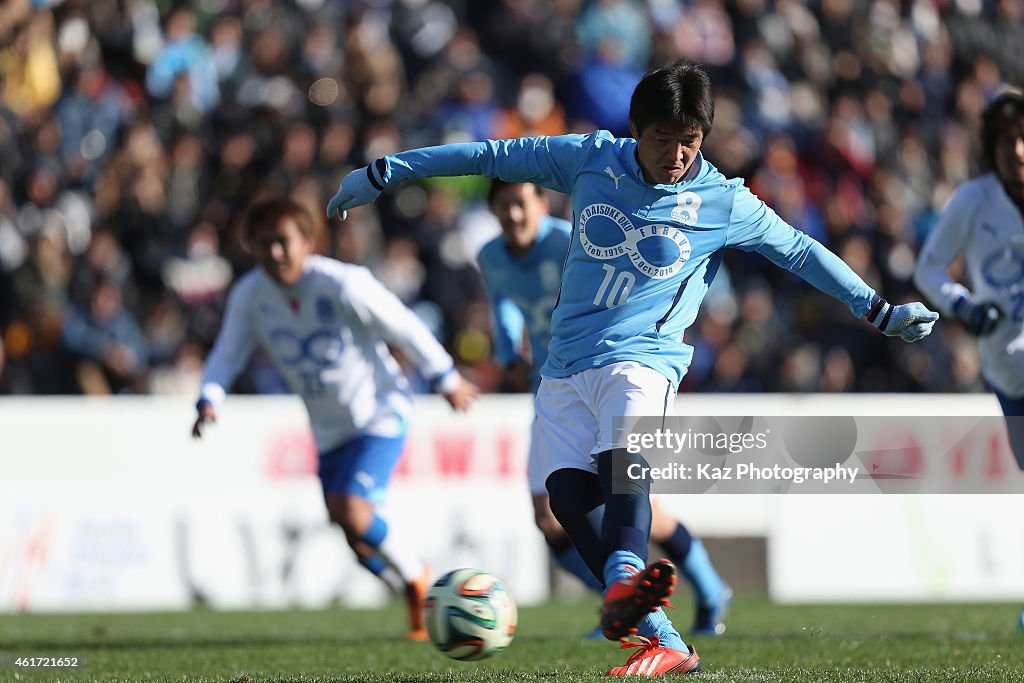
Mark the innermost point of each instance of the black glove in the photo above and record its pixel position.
(979, 318)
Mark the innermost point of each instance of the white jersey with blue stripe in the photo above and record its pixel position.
(327, 335)
(642, 255)
(525, 289)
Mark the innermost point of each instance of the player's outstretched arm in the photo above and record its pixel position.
(551, 162)
(910, 322)
(206, 414)
(754, 226)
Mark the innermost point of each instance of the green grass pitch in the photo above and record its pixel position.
(765, 642)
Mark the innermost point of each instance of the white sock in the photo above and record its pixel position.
(393, 581)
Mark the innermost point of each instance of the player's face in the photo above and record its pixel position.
(1009, 156)
(282, 250)
(666, 152)
(519, 209)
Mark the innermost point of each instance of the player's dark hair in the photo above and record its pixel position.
(678, 94)
(1005, 108)
(497, 185)
(267, 213)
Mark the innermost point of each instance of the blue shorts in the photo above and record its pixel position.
(361, 467)
(1012, 407)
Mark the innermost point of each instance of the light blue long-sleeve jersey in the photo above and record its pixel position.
(525, 289)
(642, 255)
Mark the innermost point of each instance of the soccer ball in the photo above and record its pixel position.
(470, 615)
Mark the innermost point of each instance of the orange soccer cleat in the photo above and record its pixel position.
(654, 660)
(415, 597)
(629, 600)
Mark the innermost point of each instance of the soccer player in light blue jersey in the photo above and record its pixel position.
(651, 218)
(523, 271)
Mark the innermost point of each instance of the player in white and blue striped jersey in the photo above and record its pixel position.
(984, 222)
(326, 326)
(523, 271)
(651, 218)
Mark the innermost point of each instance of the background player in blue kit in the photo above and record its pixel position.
(651, 218)
(326, 326)
(523, 270)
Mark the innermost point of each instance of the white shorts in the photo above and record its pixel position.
(534, 468)
(576, 416)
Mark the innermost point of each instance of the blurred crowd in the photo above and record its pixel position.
(134, 134)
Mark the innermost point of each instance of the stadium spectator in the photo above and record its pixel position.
(90, 116)
(30, 68)
(602, 85)
(184, 66)
(619, 21)
(536, 111)
(110, 348)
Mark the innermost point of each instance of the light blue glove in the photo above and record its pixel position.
(359, 187)
(912, 322)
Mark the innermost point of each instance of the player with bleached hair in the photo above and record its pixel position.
(651, 219)
(983, 221)
(326, 326)
(523, 271)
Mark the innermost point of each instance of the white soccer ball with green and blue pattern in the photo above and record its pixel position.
(470, 615)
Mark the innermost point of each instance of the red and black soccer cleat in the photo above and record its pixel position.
(654, 660)
(629, 600)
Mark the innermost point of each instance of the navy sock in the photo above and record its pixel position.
(627, 510)
(677, 546)
(575, 498)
